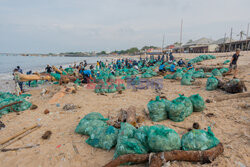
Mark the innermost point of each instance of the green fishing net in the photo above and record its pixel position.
(187, 103)
(216, 72)
(208, 74)
(212, 83)
(87, 127)
(176, 111)
(103, 137)
(157, 110)
(186, 79)
(199, 140)
(126, 143)
(8, 98)
(198, 103)
(226, 62)
(162, 138)
(56, 76)
(224, 70)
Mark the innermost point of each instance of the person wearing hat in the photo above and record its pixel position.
(233, 63)
(189, 66)
(173, 67)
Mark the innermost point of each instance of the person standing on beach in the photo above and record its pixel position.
(48, 69)
(18, 84)
(233, 63)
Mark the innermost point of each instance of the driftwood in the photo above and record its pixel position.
(232, 96)
(128, 116)
(33, 77)
(131, 116)
(19, 148)
(10, 104)
(19, 135)
(157, 160)
(56, 69)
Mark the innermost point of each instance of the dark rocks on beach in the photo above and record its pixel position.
(33, 107)
(46, 135)
(46, 111)
(208, 101)
(196, 125)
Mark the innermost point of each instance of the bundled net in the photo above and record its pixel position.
(199, 140)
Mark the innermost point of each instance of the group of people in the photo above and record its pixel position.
(174, 64)
(85, 73)
(181, 63)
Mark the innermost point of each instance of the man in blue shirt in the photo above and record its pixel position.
(189, 66)
(181, 63)
(162, 67)
(173, 67)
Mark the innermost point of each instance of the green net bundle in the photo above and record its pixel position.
(208, 74)
(211, 83)
(199, 140)
(226, 62)
(112, 88)
(198, 103)
(157, 110)
(224, 70)
(8, 98)
(187, 103)
(176, 111)
(90, 123)
(126, 143)
(198, 74)
(216, 72)
(162, 138)
(178, 74)
(103, 137)
(56, 76)
(70, 71)
(186, 79)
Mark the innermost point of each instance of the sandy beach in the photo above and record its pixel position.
(230, 123)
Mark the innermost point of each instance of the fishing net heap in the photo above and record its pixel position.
(8, 98)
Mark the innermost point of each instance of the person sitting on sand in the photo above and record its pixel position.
(189, 66)
(233, 63)
(162, 67)
(181, 63)
(173, 67)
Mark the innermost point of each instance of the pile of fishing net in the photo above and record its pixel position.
(8, 98)
(104, 87)
(145, 139)
(212, 83)
(176, 110)
(100, 134)
(201, 58)
(177, 75)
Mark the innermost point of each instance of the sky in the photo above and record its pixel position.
(55, 26)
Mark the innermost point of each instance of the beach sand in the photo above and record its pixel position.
(230, 123)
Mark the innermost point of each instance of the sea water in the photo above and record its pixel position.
(34, 63)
